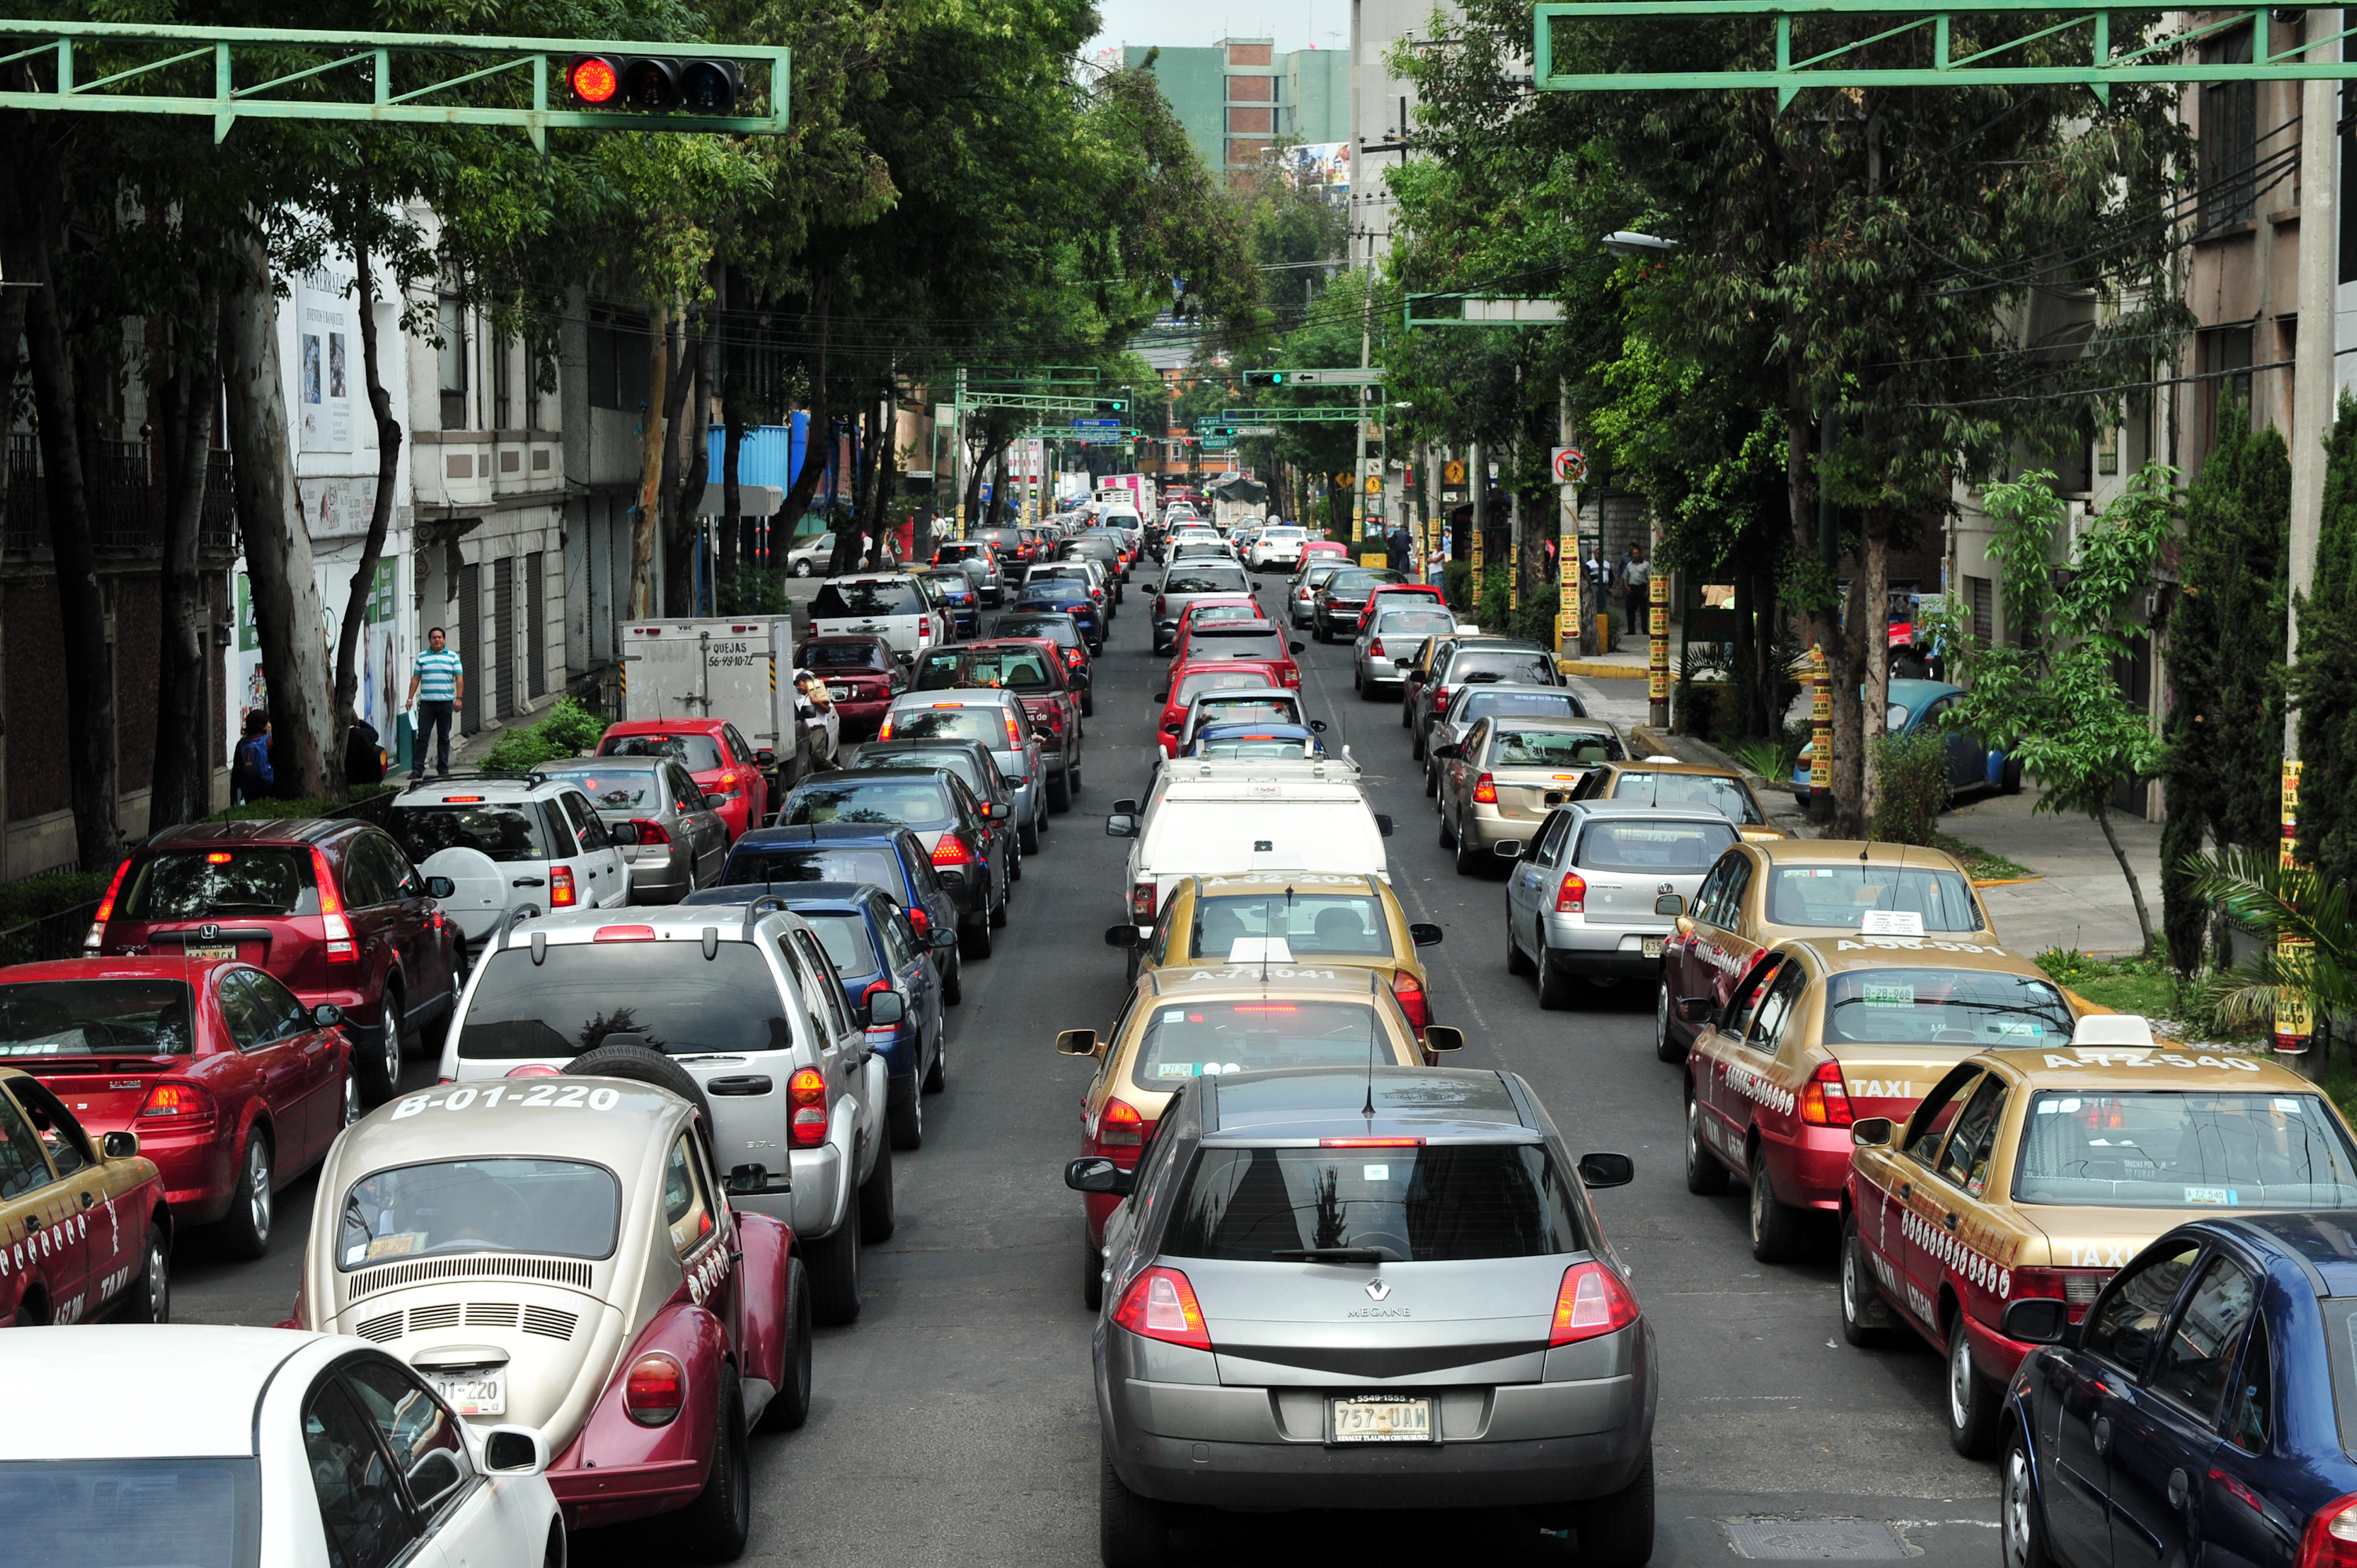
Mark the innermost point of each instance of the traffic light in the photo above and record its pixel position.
(1264, 378)
(655, 83)
(1113, 405)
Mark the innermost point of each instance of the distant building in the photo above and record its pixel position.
(1240, 97)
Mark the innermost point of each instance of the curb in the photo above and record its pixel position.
(1594, 670)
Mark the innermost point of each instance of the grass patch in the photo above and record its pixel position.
(1981, 864)
(2151, 987)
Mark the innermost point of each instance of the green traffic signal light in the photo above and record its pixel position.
(1264, 378)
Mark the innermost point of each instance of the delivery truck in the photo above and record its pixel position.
(740, 670)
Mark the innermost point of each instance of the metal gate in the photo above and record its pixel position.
(503, 632)
(536, 626)
(470, 642)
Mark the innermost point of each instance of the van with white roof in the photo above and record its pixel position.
(1222, 819)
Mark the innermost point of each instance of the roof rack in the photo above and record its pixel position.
(529, 777)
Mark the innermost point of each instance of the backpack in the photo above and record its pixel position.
(253, 756)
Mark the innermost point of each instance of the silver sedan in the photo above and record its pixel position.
(1582, 902)
(673, 842)
(1378, 658)
(1470, 703)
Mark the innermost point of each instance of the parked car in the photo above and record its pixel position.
(978, 769)
(998, 720)
(234, 1087)
(814, 558)
(890, 605)
(1062, 629)
(862, 677)
(673, 841)
(1034, 674)
(335, 910)
(1662, 782)
(1477, 661)
(1916, 706)
(1387, 643)
(878, 855)
(953, 826)
(725, 766)
(90, 1230)
(1474, 702)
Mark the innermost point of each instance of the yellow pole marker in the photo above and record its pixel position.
(1821, 720)
(1657, 657)
(2294, 1021)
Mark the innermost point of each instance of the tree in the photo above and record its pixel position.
(2054, 702)
(2323, 683)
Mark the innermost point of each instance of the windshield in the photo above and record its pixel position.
(130, 1513)
(700, 752)
(1196, 580)
(1361, 580)
(1246, 711)
(1195, 1039)
(984, 667)
(954, 760)
(951, 582)
(582, 991)
(1668, 848)
(192, 884)
(877, 868)
(1838, 897)
(1551, 748)
(917, 802)
(1327, 924)
(1218, 641)
(1528, 669)
(1944, 1006)
(1719, 791)
(561, 1207)
(1195, 682)
(951, 722)
(1480, 704)
(1433, 1203)
(95, 1019)
(890, 597)
(614, 789)
(843, 656)
(2153, 1149)
(503, 833)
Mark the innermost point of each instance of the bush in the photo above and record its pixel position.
(1912, 774)
(1457, 583)
(567, 730)
(36, 897)
(750, 591)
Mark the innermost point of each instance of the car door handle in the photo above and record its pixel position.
(88, 1201)
(529, 882)
(32, 1221)
(1906, 1189)
(746, 1083)
(2180, 1486)
(2101, 1432)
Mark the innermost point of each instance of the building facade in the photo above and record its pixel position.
(1242, 97)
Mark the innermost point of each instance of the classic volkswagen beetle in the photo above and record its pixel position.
(555, 1250)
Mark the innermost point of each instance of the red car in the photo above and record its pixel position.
(1391, 595)
(1193, 681)
(333, 910)
(862, 677)
(234, 1087)
(720, 758)
(1204, 641)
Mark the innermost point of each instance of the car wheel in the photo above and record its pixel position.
(906, 1120)
(1092, 1271)
(879, 1206)
(245, 1229)
(1554, 979)
(1866, 1316)
(937, 1077)
(802, 568)
(1517, 961)
(714, 1526)
(790, 1406)
(1618, 1532)
(974, 937)
(380, 1064)
(1706, 1177)
(1447, 832)
(1059, 791)
(1075, 784)
(2025, 1530)
(1665, 1044)
(641, 1064)
(834, 1273)
(1132, 1531)
(998, 911)
(1415, 745)
(150, 1296)
(953, 982)
(1014, 861)
(1975, 1404)
(1028, 835)
(1468, 852)
(1089, 704)
(1775, 1228)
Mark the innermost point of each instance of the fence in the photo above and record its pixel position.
(55, 934)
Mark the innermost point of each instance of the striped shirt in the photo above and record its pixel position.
(437, 676)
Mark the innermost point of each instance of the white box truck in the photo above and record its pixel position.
(740, 670)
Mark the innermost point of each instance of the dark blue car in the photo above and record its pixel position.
(874, 948)
(2203, 1414)
(878, 853)
(1070, 596)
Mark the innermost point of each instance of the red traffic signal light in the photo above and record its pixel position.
(652, 82)
(594, 78)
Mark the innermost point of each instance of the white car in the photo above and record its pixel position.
(508, 841)
(1276, 547)
(890, 605)
(260, 1448)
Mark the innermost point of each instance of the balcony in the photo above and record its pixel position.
(125, 501)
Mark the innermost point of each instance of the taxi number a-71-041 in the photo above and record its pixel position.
(1379, 1418)
(548, 1096)
(476, 1392)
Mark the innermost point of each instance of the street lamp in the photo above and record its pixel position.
(1629, 243)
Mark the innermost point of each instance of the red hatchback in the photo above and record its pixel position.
(234, 1087)
(1202, 641)
(862, 677)
(1194, 679)
(720, 760)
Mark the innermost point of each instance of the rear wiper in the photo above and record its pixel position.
(1330, 1254)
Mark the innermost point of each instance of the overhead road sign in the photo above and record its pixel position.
(1314, 378)
(394, 79)
(1096, 425)
(1480, 310)
(1256, 421)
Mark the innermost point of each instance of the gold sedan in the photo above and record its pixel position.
(1684, 784)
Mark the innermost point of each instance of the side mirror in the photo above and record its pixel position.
(1094, 1173)
(1670, 904)
(1124, 805)
(1694, 1009)
(119, 1145)
(1162, 696)
(1423, 933)
(515, 1451)
(1317, 726)
(1401, 663)
(441, 888)
(1607, 1170)
(764, 758)
(944, 938)
(1445, 751)
(622, 832)
(1077, 1043)
(886, 1007)
(1296, 647)
(1122, 825)
(1871, 1131)
(434, 1474)
(327, 1015)
(1383, 825)
(709, 802)
(1001, 809)
(1123, 936)
(1442, 1037)
(2036, 1320)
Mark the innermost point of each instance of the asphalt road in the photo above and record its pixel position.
(954, 1424)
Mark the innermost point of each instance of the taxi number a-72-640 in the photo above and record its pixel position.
(477, 1391)
(1379, 1418)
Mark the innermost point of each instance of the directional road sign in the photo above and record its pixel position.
(1096, 425)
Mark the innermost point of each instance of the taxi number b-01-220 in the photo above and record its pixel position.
(1379, 1418)
(548, 1096)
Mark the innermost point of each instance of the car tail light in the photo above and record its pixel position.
(1143, 899)
(560, 887)
(1121, 1132)
(1072, 657)
(1439, 698)
(924, 626)
(535, 1070)
(1485, 790)
(2331, 1539)
(655, 1388)
(1055, 717)
(97, 937)
(726, 785)
(1375, 648)
(1014, 731)
(1409, 991)
(1591, 1301)
(178, 1105)
(1571, 894)
(2076, 1287)
(333, 927)
(921, 922)
(806, 1092)
(952, 852)
(1161, 604)
(650, 831)
(1160, 1305)
(1824, 1098)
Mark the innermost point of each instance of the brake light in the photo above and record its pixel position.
(952, 852)
(1161, 604)
(462, 800)
(1056, 719)
(1072, 657)
(333, 927)
(924, 626)
(1375, 648)
(1014, 735)
(1409, 992)
(1160, 1305)
(184, 1105)
(1371, 1143)
(1439, 698)
(2331, 1539)
(2076, 1287)
(1592, 1301)
(560, 887)
(727, 785)
(1485, 790)
(1824, 1098)
(806, 1092)
(655, 1389)
(1120, 1126)
(623, 934)
(97, 937)
(1571, 894)
(1142, 896)
(650, 831)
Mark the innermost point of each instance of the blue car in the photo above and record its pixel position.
(1070, 596)
(2203, 1413)
(1916, 705)
(883, 855)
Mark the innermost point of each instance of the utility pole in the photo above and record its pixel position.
(1359, 456)
(957, 455)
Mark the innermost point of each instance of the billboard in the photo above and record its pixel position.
(1323, 164)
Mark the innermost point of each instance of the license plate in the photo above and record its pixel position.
(1652, 946)
(223, 950)
(841, 694)
(1379, 1418)
(474, 1392)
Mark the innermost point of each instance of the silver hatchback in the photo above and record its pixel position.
(1582, 902)
(1345, 1287)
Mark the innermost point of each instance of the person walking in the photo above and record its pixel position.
(437, 691)
(251, 776)
(1637, 576)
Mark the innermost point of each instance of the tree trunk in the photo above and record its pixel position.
(888, 465)
(180, 789)
(732, 442)
(1874, 639)
(30, 226)
(814, 469)
(288, 616)
(689, 464)
(2135, 888)
(651, 461)
(388, 469)
(1846, 655)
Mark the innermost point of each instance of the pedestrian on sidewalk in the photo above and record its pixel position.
(1637, 575)
(251, 777)
(437, 691)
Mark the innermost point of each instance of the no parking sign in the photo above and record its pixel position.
(1570, 465)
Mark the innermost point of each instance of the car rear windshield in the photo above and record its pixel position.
(1058, 629)
(1944, 1006)
(1253, 746)
(700, 752)
(1017, 667)
(1248, 711)
(194, 884)
(106, 1513)
(2155, 1149)
(1203, 580)
(890, 597)
(843, 656)
(846, 939)
(950, 758)
(1440, 1203)
(1839, 898)
(1536, 669)
(913, 802)
(1054, 590)
(1315, 576)
(1195, 682)
(614, 789)
(1480, 704)
(580, 993)
(565, 1208)
(951, 721)
(817, 863)
(1210, 615)
(1419, 622)
(965, 551)
(503, 833)
(1196, 1039)
(1716, 790)
(1361, 580)
(1225, 641)
(951, 582)
(95, 1019)
(1512, 747)
(1320, 925)
(1669, 848)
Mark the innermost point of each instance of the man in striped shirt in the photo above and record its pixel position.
(438, 689)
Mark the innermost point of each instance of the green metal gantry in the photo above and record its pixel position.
(1229, 420)
(383, 78)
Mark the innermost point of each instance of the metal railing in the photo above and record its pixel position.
(123, 499)
(53, 936)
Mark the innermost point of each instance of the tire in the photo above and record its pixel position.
(790, 1406)
(1014, 863)
(1059, 791)
(149, 1299)
(834, 1273)
(1092, 1271)
(906, 1121)
(802, 568)
(637, 1063)
(1866, 1316)
(1975, 1404)
(1618, 1532)
(1431, 782)
(1028, 836)
(246, 1229)
(1132, 1531)
(953, 982)
(1468, 857)
(879, 1204)
(937, 1077)
(1089, 704)
(973, 937)
(1706, 1177)
(2020, 1519)
(1517, 961)
(1448, 833)
(379, 1066)
(998, 912)
(1407, 714)
(713, 1528)
(1415, 745)
(1555, 981)
(1775, 1228)
(1665, 1044)
(353, 1109)
(1076, 784)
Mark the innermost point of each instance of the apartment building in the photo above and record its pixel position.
(1241, 97)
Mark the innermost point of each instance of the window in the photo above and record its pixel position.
(1719, 791)
(1948, 1007)
(21, 1166)
(813, 1011)
(414, 1426)
(62, 1136)
(1667, 849)
(582, 991)
(1982, 593)
(826, 981)
(817, 863)
(2175, 1150)
(1776, 1013)
(502, 383)
(1184, 1040)
(2123, 1324)
(1353, 925)
(502, 832)
(2254, 1408)
(846, 939)
(2197, 1360)
(94, 1018)
(190, 884)
(1840, 896)
(450, 362)
(279, 1011)
(361, 1501)
(1551, 837)
(1965, 1164)
(617, 368)
(100, 1513)
(1519, 748)
(700, 752)
(1936, 1114)
(250, 1024)
(1746, 1000)
(913, 802)
(686, 1210)
(1705, 906)
(2230, 135)
(565, 1209)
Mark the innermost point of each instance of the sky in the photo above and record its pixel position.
(1294, 24)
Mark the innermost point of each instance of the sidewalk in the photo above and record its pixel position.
(2079, 899)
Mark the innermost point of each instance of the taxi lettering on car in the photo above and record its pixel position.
(2038, 1172)
(84, 1230)
(1822, 1030)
